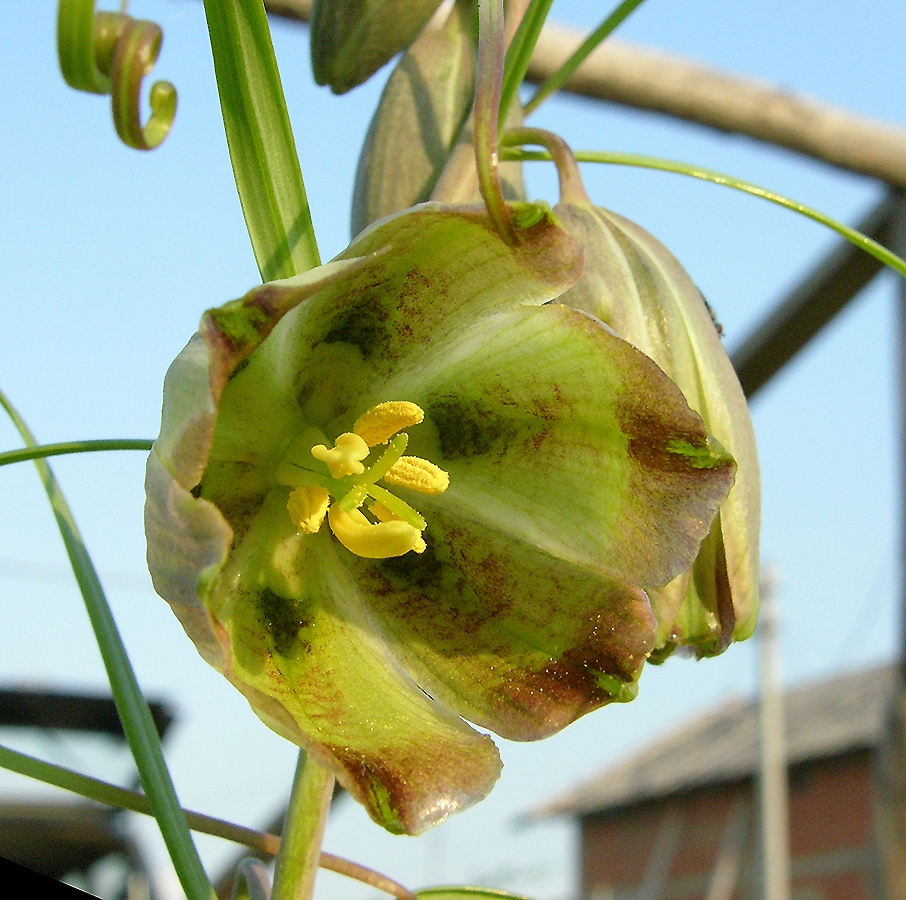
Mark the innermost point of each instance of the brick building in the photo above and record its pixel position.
(679, 820)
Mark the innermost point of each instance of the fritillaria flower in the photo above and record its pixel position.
(410, 490)
(636, 286)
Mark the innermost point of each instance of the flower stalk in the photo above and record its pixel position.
(303, 831)
(491, 53)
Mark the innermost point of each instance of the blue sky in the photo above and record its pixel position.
(109, 256)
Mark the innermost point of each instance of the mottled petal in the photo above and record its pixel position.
(188, 536)
(419, 277)
(558, 432)
(297, 643)
(513, 638)
(187, 539)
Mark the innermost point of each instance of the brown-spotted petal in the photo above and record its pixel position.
(558, 432)
(298, 642)
(509, 636)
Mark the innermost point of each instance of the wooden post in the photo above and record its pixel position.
(772, 782)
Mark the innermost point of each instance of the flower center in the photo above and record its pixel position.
(365, 517)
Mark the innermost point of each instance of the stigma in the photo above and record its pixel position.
(364, 516)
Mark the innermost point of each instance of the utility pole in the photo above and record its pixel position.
(772, 783)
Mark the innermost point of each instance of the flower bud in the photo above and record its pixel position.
(352, 39)
(421, 111)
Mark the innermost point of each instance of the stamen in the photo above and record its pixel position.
(356, 497)
(419, 475)
(380, 512)
(307, 507)
(379, 541)
(398, 508)
(398, 527)
(383, 421)
(345, 458)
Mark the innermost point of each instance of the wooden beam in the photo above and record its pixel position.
(839, 277)
(660, 82)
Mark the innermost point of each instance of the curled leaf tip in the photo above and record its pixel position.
(111, 53)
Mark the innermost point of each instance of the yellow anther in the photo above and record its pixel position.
(383, 421)
(380, 541)
(345, 458)
(307, 507)
(418, 474)
(379, 511)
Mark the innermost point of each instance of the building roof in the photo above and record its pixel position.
(825, 719)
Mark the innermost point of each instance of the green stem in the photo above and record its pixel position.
(111, 795)
(41, 451)
(565, 72)
(491, 47)
(303, 831)
(572, 190)
(872, 247)
(520, 53)
(132, 707)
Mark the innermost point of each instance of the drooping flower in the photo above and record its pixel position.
(406, 490)
(636, 286)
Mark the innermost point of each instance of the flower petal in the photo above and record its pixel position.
(188, 536)
(635, 285)
(510, 637)
(558, 432)
(418, 277)
(297, 643)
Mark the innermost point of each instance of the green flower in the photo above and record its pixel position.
(634, 285)
(368, 580)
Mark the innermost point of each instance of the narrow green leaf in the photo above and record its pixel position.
(132, 707)
(42, 451)
(260, 139)
(121, 798)
(863, 242)
(519, 54)
(456, 893)
(565, 72)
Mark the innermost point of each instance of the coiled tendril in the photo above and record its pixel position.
(111, 53)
